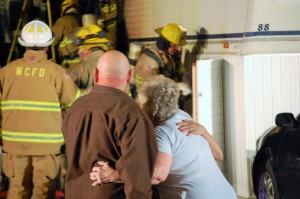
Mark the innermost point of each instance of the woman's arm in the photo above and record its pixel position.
(162, 167)
(191, 127)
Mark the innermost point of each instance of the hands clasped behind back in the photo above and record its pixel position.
(103, 174)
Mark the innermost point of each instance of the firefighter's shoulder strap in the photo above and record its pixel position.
(154, 56)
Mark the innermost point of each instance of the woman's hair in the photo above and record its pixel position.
(161, 94)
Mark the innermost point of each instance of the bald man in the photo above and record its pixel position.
(107, 124)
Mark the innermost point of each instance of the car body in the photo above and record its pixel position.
(276, 164)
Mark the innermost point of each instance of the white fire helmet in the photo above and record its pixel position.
(36, 34)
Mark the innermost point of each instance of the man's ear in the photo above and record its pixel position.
(129, 76)
(96, 75)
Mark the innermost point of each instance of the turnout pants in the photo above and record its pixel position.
(31, 177)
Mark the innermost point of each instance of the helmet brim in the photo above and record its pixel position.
(27, 44)
(159, 30)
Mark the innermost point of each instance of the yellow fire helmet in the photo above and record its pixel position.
(91, 36)
(173, 33)
(66, 4)
(36, 34)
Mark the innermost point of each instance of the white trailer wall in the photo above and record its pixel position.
(248, 26)
(256, 87)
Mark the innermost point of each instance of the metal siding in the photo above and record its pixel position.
(285, 83)
(269, 89)
(267, 94)
(276, 79)
(294, 83)
(249, 97)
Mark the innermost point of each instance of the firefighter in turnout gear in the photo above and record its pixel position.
(33, 92)
(69, 21)
(108, 19)
(92, 43)
(161, 57)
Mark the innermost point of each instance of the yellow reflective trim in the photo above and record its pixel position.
(83, 92)
(60, 46)
(30, 109)
(33, 134)
(65, 42)
(71, 61)
(107, 9)
(78, 94)
(54, 43)
(112, 25)
(33, 137)
(138, 79)
(29, 140)
(29, 102)
(30, 105)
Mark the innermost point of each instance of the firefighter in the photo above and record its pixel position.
(108, 19)
(161, 57)
(33, 91)
(92, 43)
(69, 21)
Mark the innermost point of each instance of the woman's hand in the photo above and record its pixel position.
(104, 174)
(193, 128)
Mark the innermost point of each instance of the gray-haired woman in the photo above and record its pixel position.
(185, 166)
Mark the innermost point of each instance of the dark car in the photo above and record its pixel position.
(276, 165)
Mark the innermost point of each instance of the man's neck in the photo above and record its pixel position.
(111, 82)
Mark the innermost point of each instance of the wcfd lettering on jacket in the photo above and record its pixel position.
(30, 72)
